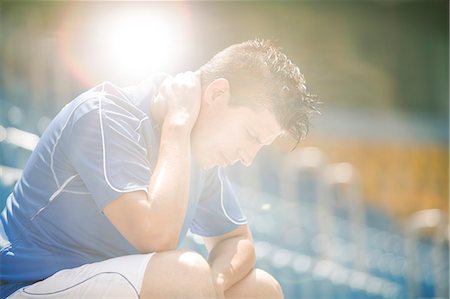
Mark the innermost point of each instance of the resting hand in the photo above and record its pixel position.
(182, 95)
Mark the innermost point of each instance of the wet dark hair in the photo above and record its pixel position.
(260, 75)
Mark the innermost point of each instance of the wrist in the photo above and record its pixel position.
(218, 282)
(181, 120)
(177, 124)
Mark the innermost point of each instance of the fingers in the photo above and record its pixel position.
(180, 83)
(187, 80)
(182, 94)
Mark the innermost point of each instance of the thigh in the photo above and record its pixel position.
(114, 278)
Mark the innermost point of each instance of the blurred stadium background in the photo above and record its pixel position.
(360, 208)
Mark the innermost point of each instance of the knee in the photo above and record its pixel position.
(268, 285)
(197, 273)
(177, 274)
(257, 284)
(192, 264)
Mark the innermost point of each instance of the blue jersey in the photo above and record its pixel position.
(101, 145)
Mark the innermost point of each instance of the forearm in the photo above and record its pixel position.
(169, 184)
(231, 260)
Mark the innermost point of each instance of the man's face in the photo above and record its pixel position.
(225, 134)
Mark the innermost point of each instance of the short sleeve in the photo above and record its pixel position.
(108, 151)
(218, 210)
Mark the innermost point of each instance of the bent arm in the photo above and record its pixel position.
(152, 221)
(231, 257)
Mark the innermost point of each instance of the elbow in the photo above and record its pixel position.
(165, 242)
(158, 243)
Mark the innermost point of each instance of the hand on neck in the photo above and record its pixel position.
(158, 109)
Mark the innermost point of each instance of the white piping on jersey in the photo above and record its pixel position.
(140, 123)
(102, 96)
(90, 96)
(76, 192)
(56, 193)
(138, 127)
(132, 117)
(238, 222)
(118, 131)
(121, 99)
(116, 89)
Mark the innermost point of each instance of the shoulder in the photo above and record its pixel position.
(105, 99)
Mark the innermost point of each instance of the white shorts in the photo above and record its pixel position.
(119, 277)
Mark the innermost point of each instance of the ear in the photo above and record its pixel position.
(218, 91)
